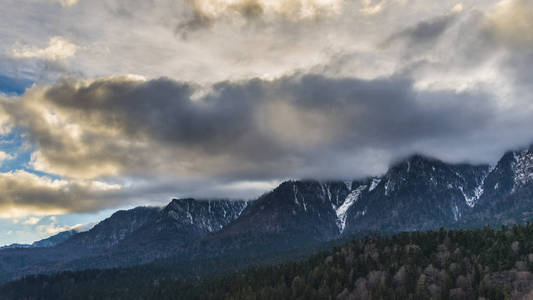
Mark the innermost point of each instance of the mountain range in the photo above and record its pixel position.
(418, 193)
(44, 243)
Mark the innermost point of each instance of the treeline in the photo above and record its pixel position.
(462, 264)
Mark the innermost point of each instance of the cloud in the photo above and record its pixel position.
(459, 7)
(58, 48)
(5, 156)
(225, 39)
(257, 92)
(425, 31)
(53, 228)
(252, 129)
(31, 221)
(511, 22)
(371, 8)
(292, 9)
(5, 126)
(25, 194)
(67, 3)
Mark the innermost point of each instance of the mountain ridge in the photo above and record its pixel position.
(46, 242)
(418, 193)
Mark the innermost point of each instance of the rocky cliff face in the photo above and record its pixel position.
(507, 193)
(206, 216)
(417, 194)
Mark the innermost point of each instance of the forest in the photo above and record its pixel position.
(461, 264)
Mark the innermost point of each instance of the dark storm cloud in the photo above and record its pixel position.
(244, 130)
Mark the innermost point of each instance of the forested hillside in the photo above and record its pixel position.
(487, 263)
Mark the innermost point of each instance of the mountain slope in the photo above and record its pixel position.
(112, 230)
(417, 194)
(17, 262)
(55, 239)
(128, 237)
(45, 243)
(295, 214)
(177, 226)
(507, 196)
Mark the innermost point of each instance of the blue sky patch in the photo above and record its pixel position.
(13, 86)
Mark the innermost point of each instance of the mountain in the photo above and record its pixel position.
(127, 237)
(21, 261)
(15, 246)
(295, 214)
(507, 193)
(112, 230)
(55, 239)
(177, 226)
(44, 243)
(418, 193)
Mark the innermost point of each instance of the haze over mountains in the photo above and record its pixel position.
(419, 193)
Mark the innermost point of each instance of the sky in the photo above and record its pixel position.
(111, 104)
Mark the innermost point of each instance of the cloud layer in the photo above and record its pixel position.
(26, 194)
(58, 48)
(210, 41)
(233, 96)
(253, 129)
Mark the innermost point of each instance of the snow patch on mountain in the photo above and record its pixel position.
(351, 199)
(478, 190)
(456, 213)
(296, 201)
(207, 215)
(471, 200)
(374, 184)
(329, 193)
(295, 193)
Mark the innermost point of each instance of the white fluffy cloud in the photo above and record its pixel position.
(5, 156)
(511, 21)
(24, 194)
(53, 228)
(292, 9)
(207, 41)
(58, 48)
(31, 221)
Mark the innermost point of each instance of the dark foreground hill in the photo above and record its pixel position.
(471, 264)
